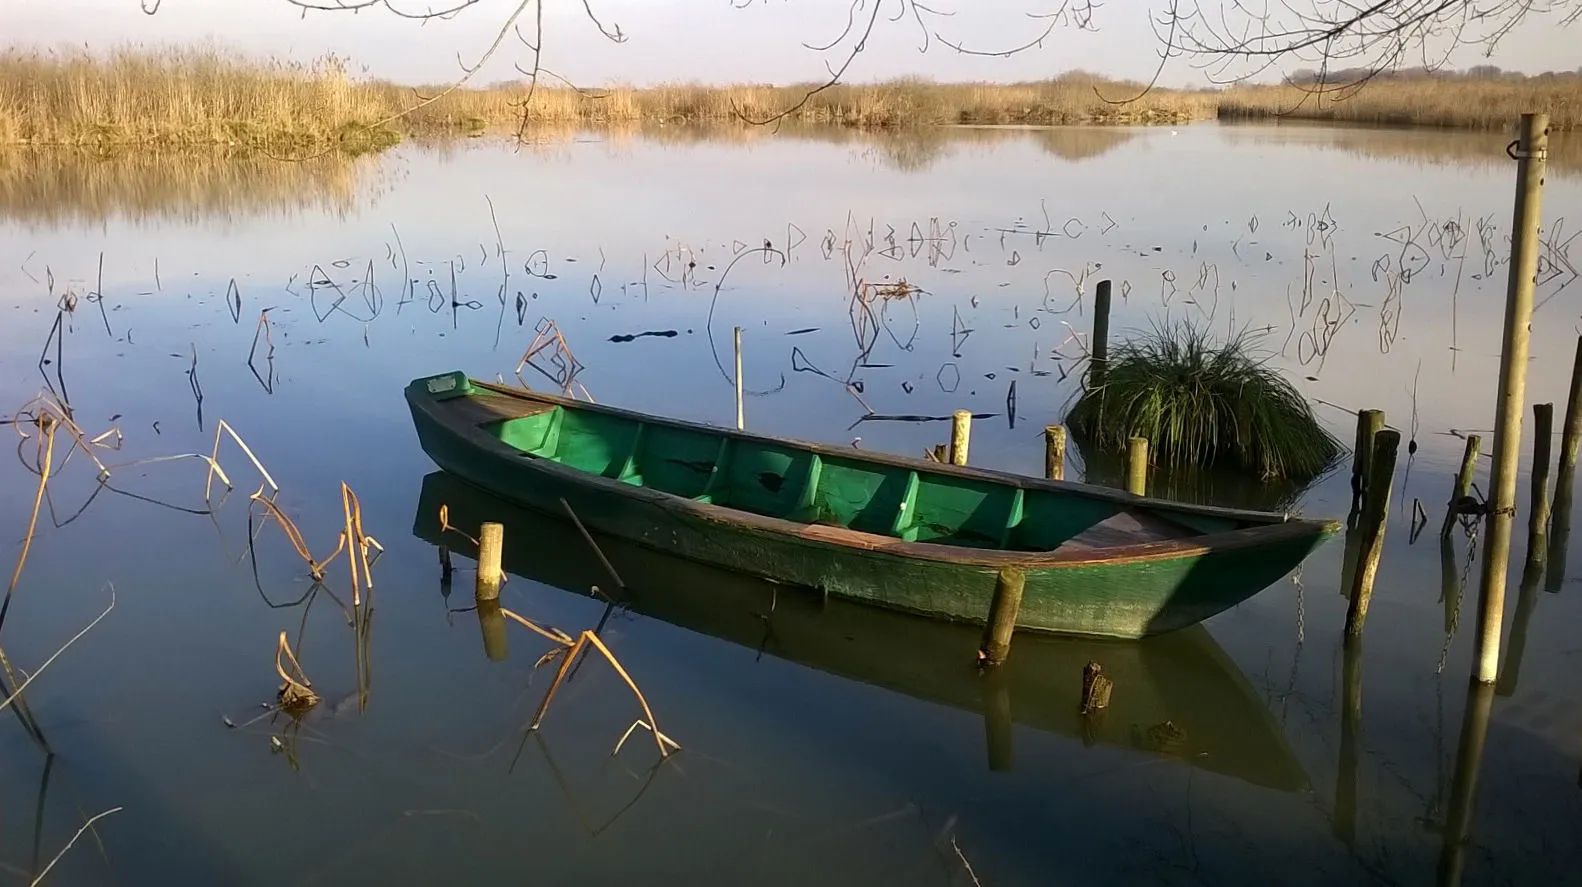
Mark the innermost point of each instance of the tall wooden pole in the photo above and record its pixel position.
(741, 415)
(1532, 153)
(1565, 480)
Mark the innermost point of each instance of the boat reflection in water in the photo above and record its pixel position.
(1177, 695)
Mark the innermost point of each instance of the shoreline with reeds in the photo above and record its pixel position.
(190, 97)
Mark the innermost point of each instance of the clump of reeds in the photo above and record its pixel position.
(1203, 402)
(1442, 100)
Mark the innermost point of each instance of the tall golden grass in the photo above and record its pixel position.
(183, 96)
(1423, 100)
(207, 95)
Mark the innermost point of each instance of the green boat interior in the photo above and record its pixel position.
(783, 480)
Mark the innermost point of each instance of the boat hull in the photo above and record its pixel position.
(1137, 595)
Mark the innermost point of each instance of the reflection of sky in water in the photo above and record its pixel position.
(778, 747)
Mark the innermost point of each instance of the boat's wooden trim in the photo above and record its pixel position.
(1071, 488)
(1274, 529)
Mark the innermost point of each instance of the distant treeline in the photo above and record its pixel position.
(189, 96)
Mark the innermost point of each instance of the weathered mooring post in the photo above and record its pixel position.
(491, 544)
(960, 431)
(741, 415)
(1565, 480)
(1055, 452)
(1369, 424)
(1099, 359)
(1531, 151)
(1463, 487)
(1137, 466)
(1538, 504)
(1375, 516)
(1003, 609)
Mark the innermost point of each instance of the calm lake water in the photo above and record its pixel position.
(829, 745)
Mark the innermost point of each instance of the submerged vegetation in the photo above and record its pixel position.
(1201, 402)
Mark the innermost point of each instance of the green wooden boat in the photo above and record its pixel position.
(1178, 696)
(888, 530)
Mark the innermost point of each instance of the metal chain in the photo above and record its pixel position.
(1461, 591)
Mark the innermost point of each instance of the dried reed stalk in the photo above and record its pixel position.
(16, 695)
(80, 832)
(586, 639)
(445, 526)
(297, 691)
(214, 464)
(552, 633)
(294, 535)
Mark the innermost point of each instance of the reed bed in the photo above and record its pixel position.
(1423, 100)
(208, 95)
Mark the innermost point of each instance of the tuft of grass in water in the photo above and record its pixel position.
(1202, 402)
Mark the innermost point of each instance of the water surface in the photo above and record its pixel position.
(820, 744)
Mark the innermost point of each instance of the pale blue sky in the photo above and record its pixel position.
(676, 40)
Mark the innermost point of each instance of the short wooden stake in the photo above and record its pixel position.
(1099, 360)
(1463, 488)
(1375, 517)
(1565, 480)
(1137, 466)
(1003, 609)
(1538, 515)
(960, 430)
(492, 622)
(1096, 688)
(741, 415)
(491, 543)
(1532, 150)
(1369, 423)
(1055, 452)
(1526, 605)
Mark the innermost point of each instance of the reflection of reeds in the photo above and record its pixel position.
(55, 186)
(1429, 146)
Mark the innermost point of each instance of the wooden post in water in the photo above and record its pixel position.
(492, 623)
(1565, 480)
(741, 415)
(1137, 466)
(1375, 516)
(1369, 424)
(1538, 505)
(1099, 361)
(960, 430)
(1003, 609)
(1532, 151)
(1463, 488)
(1055, 452)
(491, 543)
